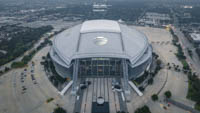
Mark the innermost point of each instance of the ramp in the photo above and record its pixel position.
(66, 88)
(135, 88)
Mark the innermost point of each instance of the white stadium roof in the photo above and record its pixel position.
(99, 38)
(100, 26)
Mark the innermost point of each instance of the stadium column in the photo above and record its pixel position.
(75, 77)
(103, 68)
(109, 66)
(125, 77)
(91, 68)
(97, 68)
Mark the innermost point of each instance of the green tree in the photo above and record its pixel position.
(158, 62)
(7, 69)
(150, 81)
(197, 106)
(59, 110)
(17, 64)
(154, 97)
(144, 109)
(168, 94)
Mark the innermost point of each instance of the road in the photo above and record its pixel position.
(194, 60)
(185, 44)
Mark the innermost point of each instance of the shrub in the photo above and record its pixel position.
(59, 110)
(158, 62)
(17, 64)
(49, 100)
(150, 81)
(144, 109)
(154, 97)
(185, 65)
(7, 69)
(168, 94)
(141, 88)
(194, 89)
(197, 106)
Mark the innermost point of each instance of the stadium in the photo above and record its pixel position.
(101, 48)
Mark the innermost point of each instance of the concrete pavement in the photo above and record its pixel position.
(183, 106)
(176, 81)
(13, 97)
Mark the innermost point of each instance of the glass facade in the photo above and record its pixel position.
(100, 67)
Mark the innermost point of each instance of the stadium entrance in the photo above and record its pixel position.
(100, 67)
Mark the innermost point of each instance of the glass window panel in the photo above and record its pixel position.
(100, 66)
(94, 70)
(106, 70)
(100, 70)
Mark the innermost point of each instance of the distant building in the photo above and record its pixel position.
(99, 7)
(186, 15)
(187, 6)
(195, 37)
(155, 19)
(157, 16)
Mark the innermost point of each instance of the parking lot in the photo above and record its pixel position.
(176, 82)
(26, 90)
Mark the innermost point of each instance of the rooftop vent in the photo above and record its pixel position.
(100, 41)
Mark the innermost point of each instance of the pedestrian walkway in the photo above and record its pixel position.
(182, 106)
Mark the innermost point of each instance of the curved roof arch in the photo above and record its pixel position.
(100, 38)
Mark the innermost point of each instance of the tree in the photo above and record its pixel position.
(168, 94)
(20, 42)
(154, 97)
(59, 110)
(168, 64)
(49, 100)
(7, 69)
(144, 109)
(190, 52)
(17, 64)
(141, 88)
(150, 81)
(158, 62)
(43, 57)
(197, 106)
